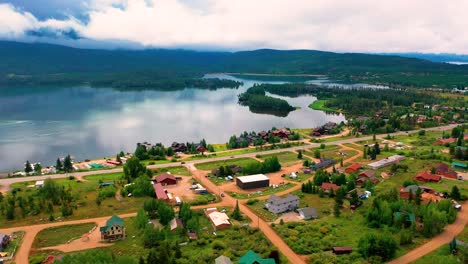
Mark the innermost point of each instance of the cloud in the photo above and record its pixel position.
(359, 26)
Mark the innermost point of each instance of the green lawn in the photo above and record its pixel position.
(262, 212)
(320, 105)
(285, 158)
(439, 256)
(268, 191)
(105, 177)
(60, 235)
(180, 170)
(216, 164)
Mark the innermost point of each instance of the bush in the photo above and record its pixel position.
(252, 201)
(107, 192)
(406, 238)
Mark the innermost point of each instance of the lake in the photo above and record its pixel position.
(40, 124)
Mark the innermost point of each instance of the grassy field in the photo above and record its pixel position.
(84, 193)
(216, 164)
(285, 158)
(320, 105)
(60, 235)
(268, 191)
(104, 177)
(180, 170)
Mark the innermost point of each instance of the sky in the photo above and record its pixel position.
(426, 26)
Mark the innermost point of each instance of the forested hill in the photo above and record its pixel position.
(46, 63)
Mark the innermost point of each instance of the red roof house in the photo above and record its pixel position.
(160, 193)
(166, 179)
(353, 168)
(328, 186)
(444, 141)
(427, 177)
(444, 170)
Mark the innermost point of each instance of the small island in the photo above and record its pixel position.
(258, 102)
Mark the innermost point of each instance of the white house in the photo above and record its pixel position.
(279, 205)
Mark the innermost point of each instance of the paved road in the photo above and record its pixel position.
(443, 238)
(5, 183)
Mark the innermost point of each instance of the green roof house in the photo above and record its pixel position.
(113, 230)
(252, 258)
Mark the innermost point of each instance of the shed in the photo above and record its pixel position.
(308, 213)
(253, 258)
(253, 181)
(342, 250)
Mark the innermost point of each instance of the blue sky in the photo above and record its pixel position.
(356, 25)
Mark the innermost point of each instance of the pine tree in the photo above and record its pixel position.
(28, 168)
(455, 193)
(58, 165)
(236, 214)
(299, 154)
(67, 164)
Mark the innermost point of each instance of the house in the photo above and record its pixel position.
(279, 205)
(342, 250)
(443, 141)
(252, 258)
(406, 191)
(166, 179)
(179, 147)
(444, 170)
(385, 162)
(323, 164)
(427, 176)
(218, 219)
(367, 175)
(308, 213)
(160, 192)
(176, 224)
(326, 186)
(4, 241)
(353, 168)
(282, 133)
(223, 260)
(113, 230)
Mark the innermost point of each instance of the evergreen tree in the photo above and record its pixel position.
(58, 165)
(236, 214)
(132, 169)
(299, 154)
(418, 198)
(455, 193)
(37, 168)
(28, 167)
(336, 210)
(67, 164)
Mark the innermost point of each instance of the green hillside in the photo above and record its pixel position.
(24, 63)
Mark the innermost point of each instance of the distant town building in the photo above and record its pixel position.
(385, 162)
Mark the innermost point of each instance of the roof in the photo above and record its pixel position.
(287, 199)
(223, 260)
(342, 249)
(427, 176)
(411, 216)
(328, 186)
(354, 167)
(459, 164)
(323, 164)
(253, 178)
(164, 176)
(159, 191)
(386, 161)
(442, 167)
(176, 223)
(368, 174)
(308, 212)
(251, 257)
(413, 188)
(114, 220)
(217, 218)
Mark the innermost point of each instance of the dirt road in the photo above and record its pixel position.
(442, 239)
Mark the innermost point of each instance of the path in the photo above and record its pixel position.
(436, 242)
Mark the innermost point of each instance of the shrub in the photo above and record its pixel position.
(252, 201)
(107, 192)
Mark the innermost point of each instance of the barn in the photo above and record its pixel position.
(253, 181)
(166, 179)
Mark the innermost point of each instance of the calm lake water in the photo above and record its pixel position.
(41, 124)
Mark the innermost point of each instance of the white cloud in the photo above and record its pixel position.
(361, 25)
